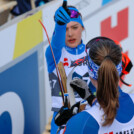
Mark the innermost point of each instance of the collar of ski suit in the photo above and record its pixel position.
(77, 50)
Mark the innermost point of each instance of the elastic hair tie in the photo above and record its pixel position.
(108, 56)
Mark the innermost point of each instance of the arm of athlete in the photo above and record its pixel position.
(82, 123)
(58, 39)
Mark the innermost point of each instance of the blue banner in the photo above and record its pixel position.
(19, 98)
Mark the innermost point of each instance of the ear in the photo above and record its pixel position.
(83, 28)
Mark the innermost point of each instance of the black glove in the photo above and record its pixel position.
(81, 87)
(61, 16)
(65, 114)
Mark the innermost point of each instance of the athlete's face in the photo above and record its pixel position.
(73, 34)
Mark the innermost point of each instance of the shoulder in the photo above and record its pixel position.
(82, 123)
(132, 96)
(126, 101)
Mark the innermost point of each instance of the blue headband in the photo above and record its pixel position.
(93, 68)
(79, 20)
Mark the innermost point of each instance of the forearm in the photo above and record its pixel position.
(59, 35)
(57, 43)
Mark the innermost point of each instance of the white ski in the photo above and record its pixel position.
(70, 89)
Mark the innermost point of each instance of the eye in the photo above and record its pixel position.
(75, 27)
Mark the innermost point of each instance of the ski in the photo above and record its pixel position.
(62, 75)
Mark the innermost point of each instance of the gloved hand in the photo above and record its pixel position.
(61, 16)
(66, 113)
(81, 87)
(63, 116)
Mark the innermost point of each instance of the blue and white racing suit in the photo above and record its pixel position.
(66, 55)
(90, 121)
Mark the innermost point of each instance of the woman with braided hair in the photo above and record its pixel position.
(113, 112)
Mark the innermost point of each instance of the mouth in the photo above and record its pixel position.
(72, 40)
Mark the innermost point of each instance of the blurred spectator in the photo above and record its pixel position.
(40, 2)
(25, 5)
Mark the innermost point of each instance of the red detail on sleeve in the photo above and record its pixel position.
(118, 32)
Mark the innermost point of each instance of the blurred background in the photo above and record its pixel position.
(25, 95)
(10, 9)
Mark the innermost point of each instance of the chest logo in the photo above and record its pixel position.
(66, 62)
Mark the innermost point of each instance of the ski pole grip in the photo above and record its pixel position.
(64, 4)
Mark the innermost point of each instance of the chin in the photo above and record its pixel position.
(72, 45)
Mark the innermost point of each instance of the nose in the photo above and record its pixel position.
(69, 32)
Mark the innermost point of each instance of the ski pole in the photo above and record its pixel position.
(61, 87)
